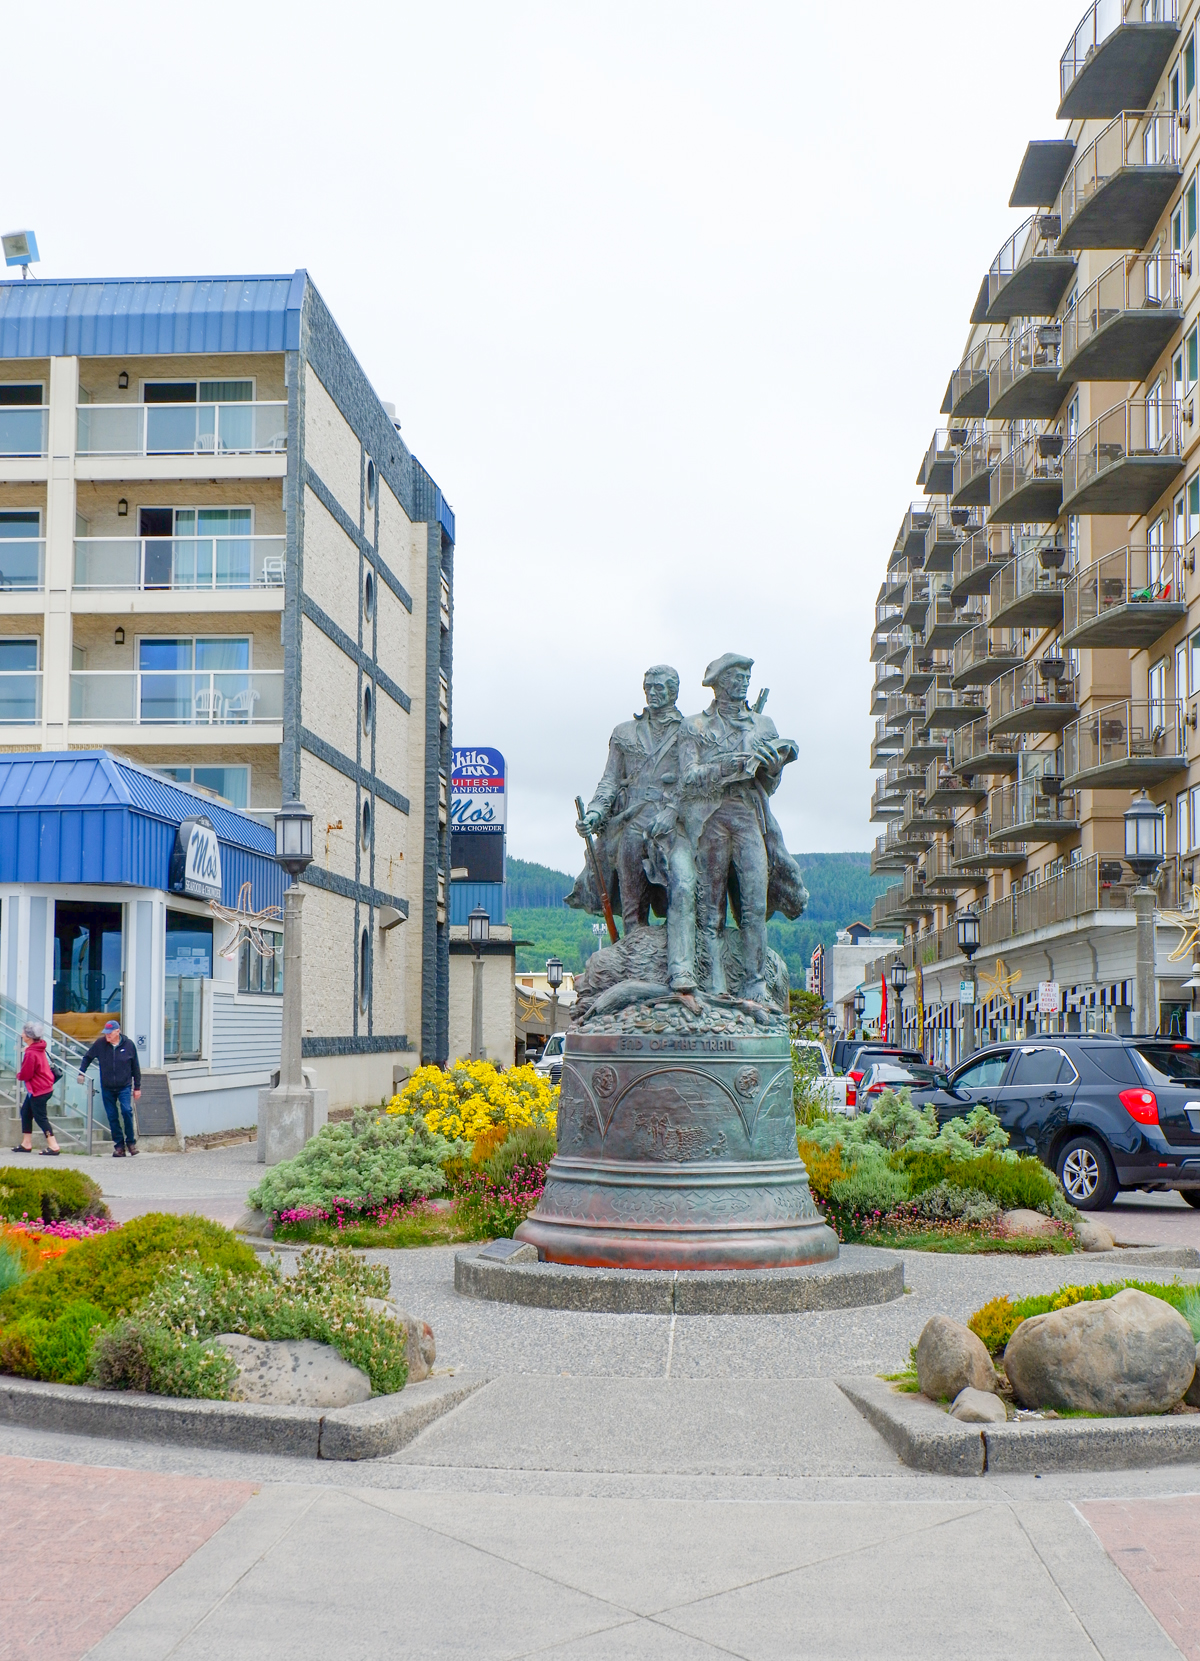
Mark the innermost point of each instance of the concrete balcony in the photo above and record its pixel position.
(1043, 168)
(976, 753)
(1124, 461)
(973, 849)
(885, 745)
(901, 710)
(1114, 59)
(1030, 274)
(968, 389)
(1028, 592)
(946, 709)
(1025, 382)
(1033, 810)
(921, 669)
(944, 536)
(892, 852)
(1037, 697)
(942, 876)
(915, 603)
(886, 802)
(888, 679)
(1125, 745)
(920, 745)
(946, 788)
(979, 660)
(1129, 598)
(910, 539)
(977, 561)
(1122, 323)
(898, 643)
(921, 818)
(1028, 482)
(936, 474)
(945, 622)
(1120, 185)
(974, 469)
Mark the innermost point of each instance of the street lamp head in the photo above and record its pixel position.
(554, 972)
(860, 1003)
(293, 838)
(1144, 837)
(899, 977)
(479, 928)
(968, 934)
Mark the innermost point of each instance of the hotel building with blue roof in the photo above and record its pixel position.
(220, 562)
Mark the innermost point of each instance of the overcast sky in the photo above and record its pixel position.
(666, 296)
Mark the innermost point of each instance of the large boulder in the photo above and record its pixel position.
(1092, 1236)
(1122, 1355)
(1192, 1393)
(1030, 1225)
(978, 1407)
(951, 1359)
(293, 1372)
(422, 1350)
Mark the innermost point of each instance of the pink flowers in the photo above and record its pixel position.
(80, 1228)
(353, 1213)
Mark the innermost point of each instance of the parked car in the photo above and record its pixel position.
(866, 1055)
(897, 1075)
(550, 1062)
(1104, 1113)
(832, 1088)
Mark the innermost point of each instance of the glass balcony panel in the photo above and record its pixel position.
(1030, 274)
(973, 468)
(1125, 460)
(1025, 382)
(1128, 598)
(1024, 809)
(1028, 700)
(20, 697)
(23, 430)
(1122, 322)
(181, 429)
(1027, 593)
(979, 657)
(1028, 482)
(1114, 59)
(179, 562)
(1128, 743)
(1119, 188)
(22, 563)
(177, 698)
(974, 751)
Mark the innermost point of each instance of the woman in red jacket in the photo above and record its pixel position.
(34, 1073)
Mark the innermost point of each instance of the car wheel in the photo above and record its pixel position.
(1192, 1196)
(1086, 1173)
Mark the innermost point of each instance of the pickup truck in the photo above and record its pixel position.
(815, 1056)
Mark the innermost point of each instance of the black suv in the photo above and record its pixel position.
(1104, 1113)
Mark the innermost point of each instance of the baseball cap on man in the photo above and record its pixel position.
(110, 1026)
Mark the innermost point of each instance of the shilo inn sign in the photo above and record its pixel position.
(477, 795)
(196, 861)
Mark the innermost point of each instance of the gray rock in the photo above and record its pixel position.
(978, 1407)
(1093, 1236)
(293, 1372)
(950, 1359)
(422, 1350)
(1123, 1355)
(1028, 1223)
(1192, 1393)
(255, 1223)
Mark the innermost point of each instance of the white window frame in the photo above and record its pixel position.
(249, 638)
(25, 640)
(197, 381)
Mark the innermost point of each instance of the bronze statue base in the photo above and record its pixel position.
(678, 1151)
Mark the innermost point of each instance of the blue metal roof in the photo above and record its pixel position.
(109, 317)
(86, 816)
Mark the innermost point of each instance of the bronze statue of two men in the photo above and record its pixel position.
(683, 827)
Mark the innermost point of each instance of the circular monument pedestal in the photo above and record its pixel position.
(678, 1151)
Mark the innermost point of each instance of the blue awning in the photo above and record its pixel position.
(87, 816)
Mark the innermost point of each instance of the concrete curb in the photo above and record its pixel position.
(927, 1438)
(861, 1275)
(369, 1430)
(1150, 1257)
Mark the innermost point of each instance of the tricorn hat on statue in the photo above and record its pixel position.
(729, 660)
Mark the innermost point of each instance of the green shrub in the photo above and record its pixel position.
(378, 1157)
(1014, 1182)
(873, 1186)
(51, 1194)
(946, 1203)
(527, 1145)
(59, 1349)
(895, 1124)
(115, 1271)
(141, 1354)
(12, 1268)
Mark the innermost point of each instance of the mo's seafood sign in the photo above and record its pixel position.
(477, 793)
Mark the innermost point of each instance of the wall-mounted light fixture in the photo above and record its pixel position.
(123, 379)
(122, 508)
(118, 636)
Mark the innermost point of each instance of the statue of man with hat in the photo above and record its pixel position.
(731, 758)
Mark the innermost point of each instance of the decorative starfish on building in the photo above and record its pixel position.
(1187, 922)
(246, 924)
(528, 1007)
(998, 983)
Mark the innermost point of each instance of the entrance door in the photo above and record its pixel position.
(87, 967)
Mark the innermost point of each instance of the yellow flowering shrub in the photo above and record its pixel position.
(474, 1099)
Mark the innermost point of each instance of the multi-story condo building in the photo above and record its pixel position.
(1037, 632)
(219, 560)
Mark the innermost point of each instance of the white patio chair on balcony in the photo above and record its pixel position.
(239, 710)
(208, 706)
(278, 442)
(272, 573)
(206, 444)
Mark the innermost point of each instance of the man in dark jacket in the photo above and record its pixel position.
(120, 1075)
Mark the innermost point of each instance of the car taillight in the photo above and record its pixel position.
(876, 1090)
(853, 1080)
(1141, 1105)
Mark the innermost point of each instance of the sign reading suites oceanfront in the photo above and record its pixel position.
(477, 791)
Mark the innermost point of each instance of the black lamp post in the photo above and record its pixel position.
(968, 945)
(899, 980)
(479, 928)
(1144, 853)
(554, 978)
(287, 1113)
(293, 838)
(860, 1005)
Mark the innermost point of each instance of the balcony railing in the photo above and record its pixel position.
(945, 622)
(886, 803)
(1129, 598)
(1121, 323)
(1025, 809)
(23, 429)
(973, 468)
(234, 698)
(1027, 592)
(973, 849)
(974, 750)
(921, 745)
(210, 562)
(977, 561)
(979, 659)
(1028, 484)
(1116, 55)
(1125, 460)
(181, 429)
(946, 788)
(22, 563)
(919, 671)
(20, 697)
(1030, 274)
(910, 538)
(968, 389)
(919, 819)
(901, 709)
(1025, 381)
(942, 876)
(945, 708)
(1119, 187)
(1125, 744)
(916, 602)
(1030, 699)
(944, 536)
(936, 474)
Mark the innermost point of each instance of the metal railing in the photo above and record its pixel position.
(20, 697)
(1033, 460)
(1028, 242)
(978, 455)
(1128, 730)
(1022, 805)
(1023, 577)
(181, 429)
(970, 744)
(188, 562)
(1147, 282)
(183, 1018)
(177, 697)
(944, 707)
(1037, 347)
(971, 844)
(23, 429)
(971, 373)
(1027, 689)
(1135, 576)
(1104, 18)
(1133, 139)
(22, 563)
(1140, 428)
(72, 1105)
(977, 649)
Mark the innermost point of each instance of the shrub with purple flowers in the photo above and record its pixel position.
(497, 1195)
